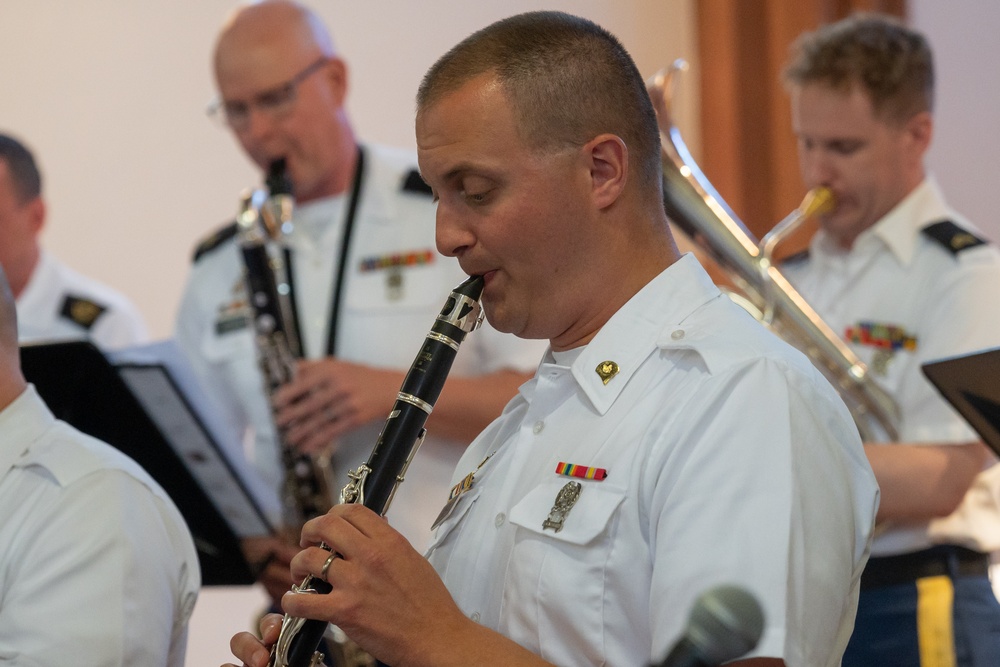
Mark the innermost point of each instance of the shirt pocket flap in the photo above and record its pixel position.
(586, 519)
(236, 344)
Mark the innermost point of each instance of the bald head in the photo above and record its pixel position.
(288, 26)
(283, 91)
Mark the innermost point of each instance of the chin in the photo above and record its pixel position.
(498, 317)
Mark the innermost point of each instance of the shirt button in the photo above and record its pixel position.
(537, 428)
(498, 521)
(677, 335)
(475, 616)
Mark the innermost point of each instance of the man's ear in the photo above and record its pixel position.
(336, 76)
(607, 157)
(919, 131)
(35, 210)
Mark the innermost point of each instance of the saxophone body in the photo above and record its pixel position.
(700, 212)
(374, 483)
(263, 222)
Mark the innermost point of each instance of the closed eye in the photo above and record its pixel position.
(476, 198)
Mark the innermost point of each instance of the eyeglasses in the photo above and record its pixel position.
(275, 102)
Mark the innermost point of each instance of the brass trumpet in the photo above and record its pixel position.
(693, 205)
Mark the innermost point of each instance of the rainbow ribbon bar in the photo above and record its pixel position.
(583, 472)
(412, 258)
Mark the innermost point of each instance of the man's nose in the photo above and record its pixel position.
(817, 169)
(452, 237)
(259, 125)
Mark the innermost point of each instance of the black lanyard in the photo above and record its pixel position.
(345, 242)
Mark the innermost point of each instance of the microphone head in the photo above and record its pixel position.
(726, 622)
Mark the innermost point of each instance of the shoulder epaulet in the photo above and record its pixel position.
(796, 257)
(415, 183)
(81, 310)
(214, 240)
(952, 237)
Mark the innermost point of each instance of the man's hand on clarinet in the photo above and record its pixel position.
(254, 652)
(385, 596)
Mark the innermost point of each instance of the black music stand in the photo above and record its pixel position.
(139, 408)
(971, 383)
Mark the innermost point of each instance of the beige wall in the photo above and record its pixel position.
(965, 155)
(111, 96)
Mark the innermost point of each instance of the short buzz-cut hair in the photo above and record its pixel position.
(890, 62)
(568, 80)
(24, 174)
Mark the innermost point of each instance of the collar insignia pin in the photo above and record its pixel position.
(607, 370)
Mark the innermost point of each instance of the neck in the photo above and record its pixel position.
(12, 385)
(342, 177)
(646, 254)
(20, 270)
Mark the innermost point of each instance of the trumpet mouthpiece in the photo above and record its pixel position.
(817, 201)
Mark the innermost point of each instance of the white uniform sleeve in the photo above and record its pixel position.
(110, 579)
(776, 496)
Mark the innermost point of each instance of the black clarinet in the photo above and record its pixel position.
(264, 223)
(375, 482)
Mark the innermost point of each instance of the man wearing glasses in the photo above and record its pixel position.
(368, 280)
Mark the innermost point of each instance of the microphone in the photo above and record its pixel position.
(726, 622)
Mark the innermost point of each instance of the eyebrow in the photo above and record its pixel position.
(462, 168)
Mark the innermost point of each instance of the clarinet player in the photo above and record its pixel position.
(667, 444)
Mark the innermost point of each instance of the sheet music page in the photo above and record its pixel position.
(159, 377)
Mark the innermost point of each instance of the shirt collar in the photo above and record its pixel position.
(21, 424)
(376, 199)
(900, 228)
(641, 326)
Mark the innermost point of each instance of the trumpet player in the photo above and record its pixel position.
(365, 274)
(906, 280)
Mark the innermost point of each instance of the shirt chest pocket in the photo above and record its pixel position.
(555, 580)
(888, 367)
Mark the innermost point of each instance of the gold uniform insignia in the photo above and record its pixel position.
(607, 370)
(81, 311)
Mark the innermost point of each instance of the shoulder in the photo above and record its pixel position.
(70, 455)
(953, 237)
(213, 241)
(397, 168)
(86, 301)
(953, 254)
(727, 337)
